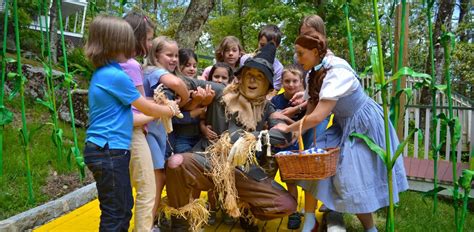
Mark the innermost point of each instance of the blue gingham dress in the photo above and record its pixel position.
(360, 183)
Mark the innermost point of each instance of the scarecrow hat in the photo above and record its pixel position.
(263, 61)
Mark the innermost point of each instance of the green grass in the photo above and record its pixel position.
(14, 193)
(413, 214)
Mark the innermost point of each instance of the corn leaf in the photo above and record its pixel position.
(57, 137)
(374, 60)
(441, 88)
(402, 145)
(47, 104)
(465, 179)
(455, 130)
(6, 116)
(79, 161)
(443, 130)
(372, 145)
(395, 101)
(406, 71)
(9, 60)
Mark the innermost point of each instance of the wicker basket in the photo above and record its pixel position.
(298, 166)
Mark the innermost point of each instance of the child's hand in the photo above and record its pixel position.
(198, 94)
(197, 112)
(297, 99)
(210, 94)
(207, 131)
(173, 105)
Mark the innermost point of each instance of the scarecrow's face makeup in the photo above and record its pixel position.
(253, 84)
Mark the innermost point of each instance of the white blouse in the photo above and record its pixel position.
(339, 81)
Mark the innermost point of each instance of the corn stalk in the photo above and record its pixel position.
(20, 80)
(68, 80)
(6, 116)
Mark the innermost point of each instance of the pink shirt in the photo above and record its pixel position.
(134, 70)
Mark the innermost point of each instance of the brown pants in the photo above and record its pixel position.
(267, 199)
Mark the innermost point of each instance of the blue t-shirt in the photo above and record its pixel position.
(111, 93)
(151, 80)
(281, 103)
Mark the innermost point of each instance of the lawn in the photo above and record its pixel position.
(414, 214)
(51, 178)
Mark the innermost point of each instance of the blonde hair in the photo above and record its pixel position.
(293, 69)
(315, 22)
(157, 46)
(225, 44)
(109, 37)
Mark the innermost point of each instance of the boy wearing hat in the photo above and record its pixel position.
(240, 107)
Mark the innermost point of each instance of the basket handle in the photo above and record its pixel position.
(300, 136)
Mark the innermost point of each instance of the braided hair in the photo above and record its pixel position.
(311, 40)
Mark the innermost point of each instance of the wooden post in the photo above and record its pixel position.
(404, 61)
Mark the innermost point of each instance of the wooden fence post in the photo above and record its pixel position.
(404, 62)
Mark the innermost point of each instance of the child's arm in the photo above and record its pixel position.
(207, 131)
(140, 89)
(177, 85)
(196, 99)
(141, 119)
(294, 110)
(155, 110)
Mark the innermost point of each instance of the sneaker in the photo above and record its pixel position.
(212, 218)
(294, 221)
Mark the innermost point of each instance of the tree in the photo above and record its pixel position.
(442, 24)
(190, 28)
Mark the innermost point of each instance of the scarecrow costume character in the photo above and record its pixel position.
(240, 114)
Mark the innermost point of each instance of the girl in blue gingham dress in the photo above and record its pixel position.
(360, 184)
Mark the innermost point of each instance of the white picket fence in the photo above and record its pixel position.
(421, 150)
(420, 116)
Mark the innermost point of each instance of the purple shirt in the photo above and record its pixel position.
(134, 70)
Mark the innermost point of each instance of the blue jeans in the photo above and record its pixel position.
(112, 176)
(184, 143)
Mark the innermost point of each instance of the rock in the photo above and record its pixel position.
(36, 87)
(80, 106)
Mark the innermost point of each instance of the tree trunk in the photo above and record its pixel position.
(463, 10)
(155, 7)
(190, 27)
(53, 32)
(442, 24)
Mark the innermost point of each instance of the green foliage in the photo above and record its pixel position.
(43, 161)
(79, 64)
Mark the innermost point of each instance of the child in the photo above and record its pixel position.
(141, 165)
(186, 131)
(111, 94)
(269, 33)
(359, 185)
(221, 73)
(229, 51)
(188, 62)
(292, 79)
(162, 62)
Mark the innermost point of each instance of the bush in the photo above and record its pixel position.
(79, 64)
